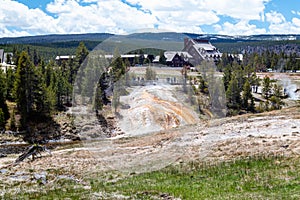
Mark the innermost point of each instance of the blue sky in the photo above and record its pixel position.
(230, 17)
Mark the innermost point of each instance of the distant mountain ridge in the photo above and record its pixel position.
(166, 36)
(55, 38)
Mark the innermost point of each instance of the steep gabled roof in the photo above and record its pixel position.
(206, 47)
(170, 54)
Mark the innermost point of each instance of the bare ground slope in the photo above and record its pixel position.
(273, 133)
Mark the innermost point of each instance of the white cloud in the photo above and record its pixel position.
(110, 16)
(238, 9)
(275, 17)
(4, 32)
(114, 16)
(295, 12)
(89, 1)
(15, 16)
(117, 17)
(178, 15)
(240, 28)
(278, 24)
(190, 15)
(296, 21)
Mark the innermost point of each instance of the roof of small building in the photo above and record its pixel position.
(171, 54)
(64, 57)
(156, 59)
(239, 56)
(128, 55)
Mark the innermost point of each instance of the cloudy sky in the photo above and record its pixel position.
(230, 17)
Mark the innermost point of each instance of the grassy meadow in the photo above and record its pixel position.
(249, 178)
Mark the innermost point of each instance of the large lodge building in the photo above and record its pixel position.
(193, 53)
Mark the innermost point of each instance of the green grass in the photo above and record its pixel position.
(254, 178)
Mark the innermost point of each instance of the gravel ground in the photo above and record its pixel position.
(273, 133)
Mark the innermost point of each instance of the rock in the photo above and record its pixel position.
(110, 117)
(285, 146)
(2, 155)
(87, 128)
(67, 177)
(87, 187)
(42, 177)
(126, 106)
(295, 133)
(72, 137)
(20, 176)
(285, 135)
(277, 162)
(64, 132)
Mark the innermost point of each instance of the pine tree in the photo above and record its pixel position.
(78, 68)
(10, 79)
(203, 85)
(48, 73)
(127, 63)
(252, 105)
(150, 74)
(227, 75)
(267, 105)
(184, 79)
(59, 85)
(8, 58)
(93, 70)
(254, 82)
(23, 88)
(162, 58)
(266, 90)
(116, 96)
(136, 60)
(3, 94)
(276, 102)
(41, 101)
(81, 53)
(118, 68)
(239, 75)
(233, 95)
(36, 58)
(2, 120)
(98, 102)
(246, 95)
